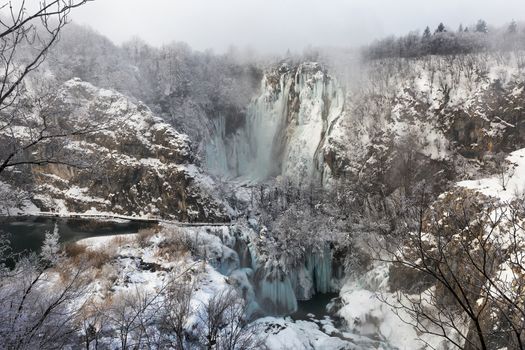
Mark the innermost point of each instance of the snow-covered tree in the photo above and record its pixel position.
(440, 28)
(481, 27)
(513, 27)
(427, 33)
(51, 250)
(34, 313)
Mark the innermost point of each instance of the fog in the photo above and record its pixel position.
(278, 25)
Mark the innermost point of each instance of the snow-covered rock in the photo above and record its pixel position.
(132, 162)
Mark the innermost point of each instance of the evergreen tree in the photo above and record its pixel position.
(427, 33)
(51, 247)
(441, 28)
(460, 29)
(481, 27)
(513, 28)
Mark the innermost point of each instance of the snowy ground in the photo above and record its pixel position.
(280, 333)
(505, 186)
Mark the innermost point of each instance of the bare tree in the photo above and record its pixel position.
(504, 169)
(239, 333)
(467, 254)
(131, 315)
(224, 326)
(90, 322)
(177, 311)
(26, 36)
(34, 306)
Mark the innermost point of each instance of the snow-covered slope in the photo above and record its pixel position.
(412, 119)
(131, 162)
(509, 182)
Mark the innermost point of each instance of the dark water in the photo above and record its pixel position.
(27, 234)
(316, 306)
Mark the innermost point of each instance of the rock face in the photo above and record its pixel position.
(133, 164)
(285, 127)
(406, 121)
(413, 119)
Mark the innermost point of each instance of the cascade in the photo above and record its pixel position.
(269, 287)
(314, 275)
(284, 130)
(275, 291)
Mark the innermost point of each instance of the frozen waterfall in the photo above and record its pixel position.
(268, 288)
(284, 129)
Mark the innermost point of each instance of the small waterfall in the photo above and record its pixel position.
(320, 268)
(275, 292)
(269, 287)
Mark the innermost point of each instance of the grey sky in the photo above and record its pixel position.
(276, 25)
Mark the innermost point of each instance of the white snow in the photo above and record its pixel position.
(285, 334)
(514, 180)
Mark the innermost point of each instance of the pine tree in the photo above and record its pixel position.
(481, 27)
(460, 29)
(513, 27)
(427, 33)
(51, 247)
(441, 28)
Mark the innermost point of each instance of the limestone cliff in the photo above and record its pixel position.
(132, 164)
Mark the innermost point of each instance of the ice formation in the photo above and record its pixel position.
(285, 127)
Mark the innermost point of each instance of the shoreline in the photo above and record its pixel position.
(114, 217)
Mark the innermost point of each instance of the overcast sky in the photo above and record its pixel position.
(278, 25)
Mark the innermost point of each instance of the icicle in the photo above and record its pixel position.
(322, 270)
(275, 292)
(302, 283)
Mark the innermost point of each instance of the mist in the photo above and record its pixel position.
(275, 26)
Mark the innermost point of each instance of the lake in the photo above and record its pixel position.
(27, 234)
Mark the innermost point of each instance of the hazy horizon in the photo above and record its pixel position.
(275, 26)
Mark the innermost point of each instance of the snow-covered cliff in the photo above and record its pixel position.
(130, 162)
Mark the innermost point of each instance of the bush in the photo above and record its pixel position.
(79, 253)
(143, 237)
(175, 244)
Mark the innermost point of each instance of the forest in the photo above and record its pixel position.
(162, 197)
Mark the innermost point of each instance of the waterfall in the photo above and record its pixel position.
(275, 291)
(284, 130)
(267, 286)
(320, 268)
